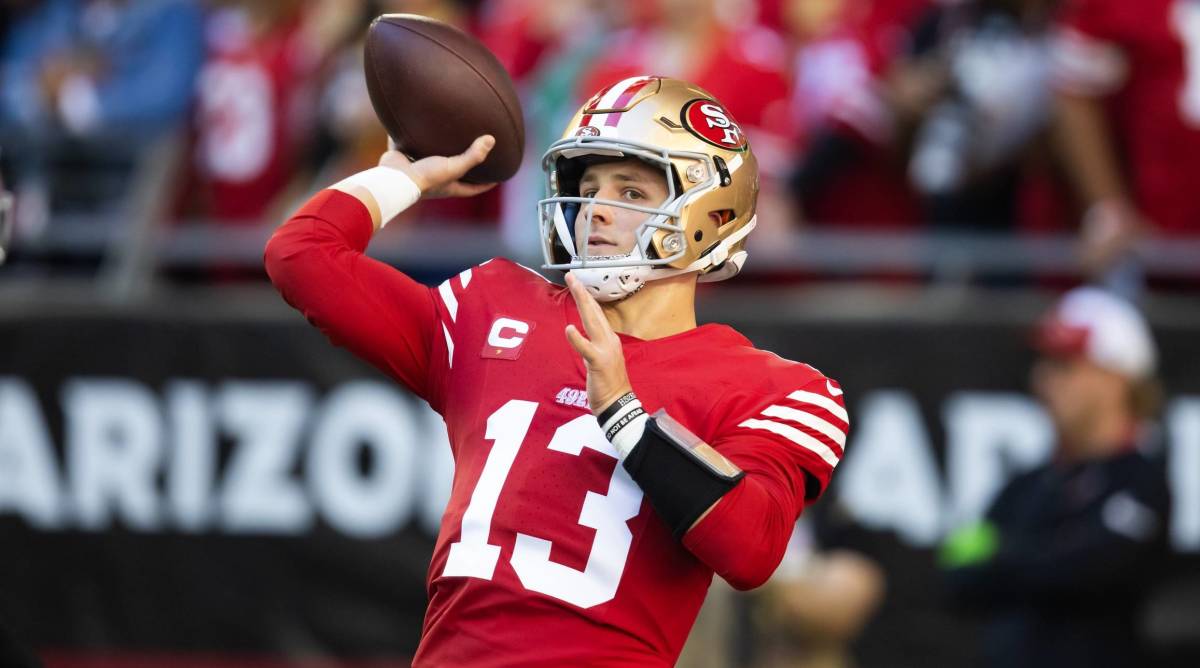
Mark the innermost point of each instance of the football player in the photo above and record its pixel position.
(610, 454)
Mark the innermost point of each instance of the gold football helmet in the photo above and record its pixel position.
(711, 177)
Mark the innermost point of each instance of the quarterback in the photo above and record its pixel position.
(610, 454)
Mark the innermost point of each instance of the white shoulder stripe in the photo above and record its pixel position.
(449, 347)
(465, 278)
(450, 300)
(808, 420)
(796, 436)
(821, 401)
(535, 273)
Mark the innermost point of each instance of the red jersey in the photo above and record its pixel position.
(1143, 58)
(249, 113)
(548, 554)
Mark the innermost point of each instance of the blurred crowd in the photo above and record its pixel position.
(987, 117)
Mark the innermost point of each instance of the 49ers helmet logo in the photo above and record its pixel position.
(709, 121)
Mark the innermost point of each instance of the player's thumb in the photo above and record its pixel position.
(476, 154)
(456, 166)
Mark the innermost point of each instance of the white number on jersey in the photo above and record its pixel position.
(608, 514)
(1185, 17)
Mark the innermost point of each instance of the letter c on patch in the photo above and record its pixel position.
(507, 333)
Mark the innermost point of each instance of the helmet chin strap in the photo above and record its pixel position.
(611, 284)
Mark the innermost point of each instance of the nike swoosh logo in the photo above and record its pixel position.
(833, 391)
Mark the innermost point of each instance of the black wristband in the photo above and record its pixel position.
(611, 410)
(623, 422)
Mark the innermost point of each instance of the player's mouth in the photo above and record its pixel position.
(598, 245)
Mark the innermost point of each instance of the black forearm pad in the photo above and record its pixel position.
(679, 484)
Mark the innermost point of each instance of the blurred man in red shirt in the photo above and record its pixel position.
(1128, 82)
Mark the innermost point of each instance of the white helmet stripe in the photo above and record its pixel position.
(610, 98)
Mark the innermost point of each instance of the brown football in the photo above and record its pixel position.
(436, 88)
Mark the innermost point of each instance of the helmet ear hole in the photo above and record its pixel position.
(723, 216)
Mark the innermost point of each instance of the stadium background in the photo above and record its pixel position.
(191, 475)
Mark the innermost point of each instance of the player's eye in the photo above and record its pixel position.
(630, 193)
(588, 193)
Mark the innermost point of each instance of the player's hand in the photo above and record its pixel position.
(1111, 232)
(439, 176)
(601, 350)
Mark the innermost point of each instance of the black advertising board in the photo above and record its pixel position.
(234, 488)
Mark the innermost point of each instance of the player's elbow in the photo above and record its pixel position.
(753, 569)
(280, 256)
(744, 537)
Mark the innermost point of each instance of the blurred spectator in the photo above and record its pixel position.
(985, 61)
(523, 32)
(720, 47)
(714, 46)
(851, 166)
(255, 108)
(816, 604)
(1128, 82)
(92, 81)
(1063, 560)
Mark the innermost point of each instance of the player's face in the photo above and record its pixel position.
(613, 228)
(1077, 394)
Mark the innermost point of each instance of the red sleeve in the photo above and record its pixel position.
(1088, 47)
(316, 261)
(788, 447)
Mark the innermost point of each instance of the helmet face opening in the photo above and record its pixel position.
(710, 173)
(659, 239)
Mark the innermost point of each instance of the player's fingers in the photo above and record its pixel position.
(590, 312)
(580, 343)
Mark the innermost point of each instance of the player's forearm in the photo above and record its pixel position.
(316, 261)
(743, 536)
(1083, 137)
(730, 520)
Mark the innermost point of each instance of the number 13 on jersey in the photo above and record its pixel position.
(473, 556)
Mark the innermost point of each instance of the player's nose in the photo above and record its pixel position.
(602, 214)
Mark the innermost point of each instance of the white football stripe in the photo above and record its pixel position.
(450, 300)
(465, 277)
(821, 401)
(449, 347)
(610, 98)
(796, 436)
(808, 420)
